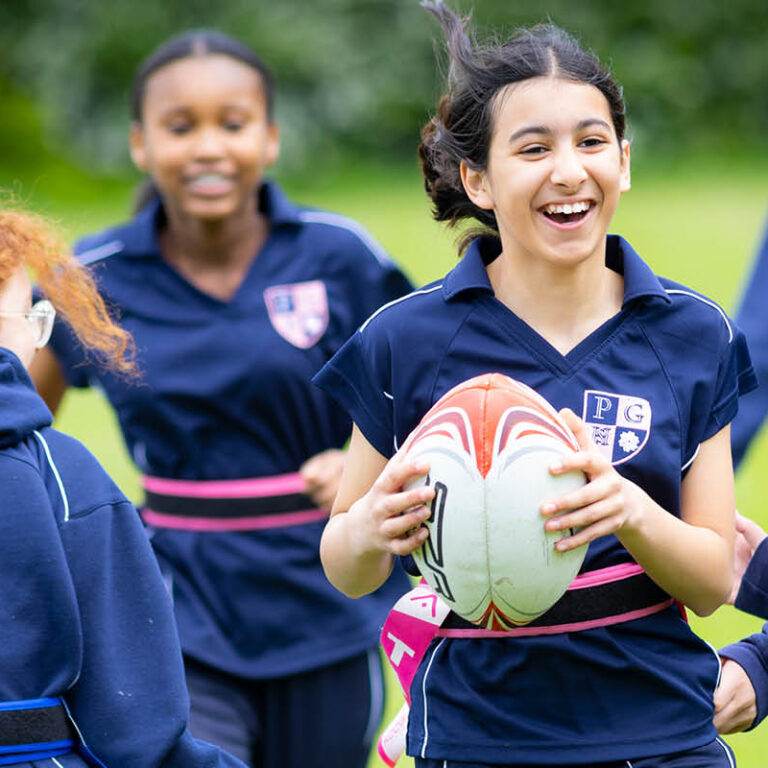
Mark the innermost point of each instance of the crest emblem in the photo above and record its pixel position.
(619, 425)
(298, 311)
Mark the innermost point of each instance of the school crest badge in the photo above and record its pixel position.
(619, 425)
(298, 311)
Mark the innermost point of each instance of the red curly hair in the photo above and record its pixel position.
(27, 240)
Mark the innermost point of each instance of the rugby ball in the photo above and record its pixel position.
(489, 442)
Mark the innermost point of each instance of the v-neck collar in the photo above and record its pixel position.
(142, 237)
(471, 275)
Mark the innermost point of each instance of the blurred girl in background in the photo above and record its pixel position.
(236, 297)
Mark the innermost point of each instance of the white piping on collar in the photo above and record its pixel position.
(420, 292)
(100, 252)
(708, 302)
(336, 220)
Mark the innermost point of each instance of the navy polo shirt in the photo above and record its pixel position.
(652, 383)
(225, 393)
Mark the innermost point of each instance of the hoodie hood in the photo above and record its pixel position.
(21, 409)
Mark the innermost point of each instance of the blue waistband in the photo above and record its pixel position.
(34, 729)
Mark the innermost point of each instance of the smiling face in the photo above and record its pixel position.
(555, 171)
(205, 136)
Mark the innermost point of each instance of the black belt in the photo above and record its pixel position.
(39, 726)
(599, 604)
(183, 506)
(229, 505)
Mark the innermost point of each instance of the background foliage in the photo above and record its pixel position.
(359, 75)
(357, 79)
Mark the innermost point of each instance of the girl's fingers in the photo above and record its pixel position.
(585, 535)
(407, 544)
(605, 509)
(590, 462)
(402, 525)
(579, 429)
(398, 472)
(601, 488)
(394, 504)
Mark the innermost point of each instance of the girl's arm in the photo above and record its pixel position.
(373, 519)
(691, 558)
(322, 474)
(735, 699)
(49, 378)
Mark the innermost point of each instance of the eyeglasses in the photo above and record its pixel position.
(40, 318)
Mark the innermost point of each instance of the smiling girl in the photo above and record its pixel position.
(529, 140)
(236, 297)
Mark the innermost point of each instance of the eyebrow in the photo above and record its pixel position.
(542, 129)
(185, 109)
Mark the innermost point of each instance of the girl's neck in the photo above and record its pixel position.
(214, 255)
(563, 304)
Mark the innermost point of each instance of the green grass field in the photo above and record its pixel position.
(695, 222)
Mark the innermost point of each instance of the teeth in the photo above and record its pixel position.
(568, 208)
(207, 178)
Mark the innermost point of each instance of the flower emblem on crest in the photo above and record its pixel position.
(619, 425)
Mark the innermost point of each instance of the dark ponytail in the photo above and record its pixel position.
(462, 128)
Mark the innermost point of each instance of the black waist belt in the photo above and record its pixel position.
(229, 505)
(37, 728)
(182, 506)
(600, 598)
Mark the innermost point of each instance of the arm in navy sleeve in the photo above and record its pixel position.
(752, 318)
(130, 702)
(752, 655)
(753, 592)
(752, 652)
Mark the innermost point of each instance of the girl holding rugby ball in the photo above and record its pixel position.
(528, 140)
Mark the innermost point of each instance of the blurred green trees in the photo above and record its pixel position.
(358, 76)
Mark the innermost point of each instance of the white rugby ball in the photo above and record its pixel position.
(490, 442)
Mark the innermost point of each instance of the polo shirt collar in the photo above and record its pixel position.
(470, 273)
(140, 236)
(639, 279)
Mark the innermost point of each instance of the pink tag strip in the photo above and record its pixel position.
(416, 618)
(213, 524)
(391, 743)
(557, 629)
(250, 487)
(412, 623)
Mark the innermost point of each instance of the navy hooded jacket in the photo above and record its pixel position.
(84, 612)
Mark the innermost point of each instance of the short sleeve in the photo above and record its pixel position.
(355, 377)
(735, 378)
